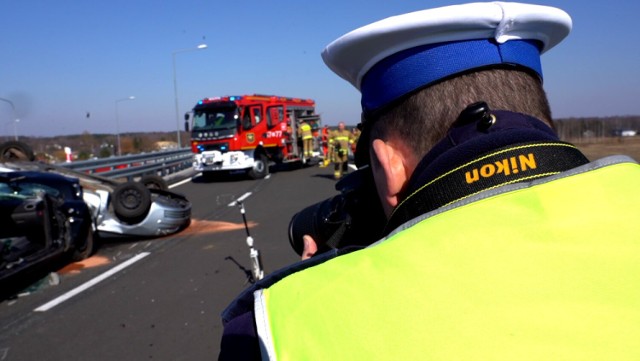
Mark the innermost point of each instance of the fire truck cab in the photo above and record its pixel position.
(247, 133)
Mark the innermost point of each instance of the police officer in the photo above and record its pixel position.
(502, 241)
(341, 140)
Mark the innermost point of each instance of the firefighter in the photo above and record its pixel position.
(304, 133)
(341, 140)
(356, 136)
(502, 241)
(324, 141)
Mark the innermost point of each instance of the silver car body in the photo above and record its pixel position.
(164, 217)
(168, 213)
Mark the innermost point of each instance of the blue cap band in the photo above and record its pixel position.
(414, 68)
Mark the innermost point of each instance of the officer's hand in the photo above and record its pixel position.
(310, 247)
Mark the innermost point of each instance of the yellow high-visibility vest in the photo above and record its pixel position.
(550, 271)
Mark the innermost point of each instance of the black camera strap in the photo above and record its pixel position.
(512, 164)
(336, 237)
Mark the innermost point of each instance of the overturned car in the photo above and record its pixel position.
(119, 208)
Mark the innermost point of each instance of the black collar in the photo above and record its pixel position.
(518, 148)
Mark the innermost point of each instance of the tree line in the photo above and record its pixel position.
(596, 128)
(90, 146)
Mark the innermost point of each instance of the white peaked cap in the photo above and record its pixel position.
(422, 47)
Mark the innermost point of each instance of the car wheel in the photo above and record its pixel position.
(85, 247)
(131, 202)
(260, 167)
(16, 150)
(154, 182)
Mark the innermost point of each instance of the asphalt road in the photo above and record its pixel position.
(161, 299)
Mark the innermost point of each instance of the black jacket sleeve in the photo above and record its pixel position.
(240, 339)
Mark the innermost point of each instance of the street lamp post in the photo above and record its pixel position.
(118, 123)
(175, 86)
(15, 128)
(16, 120)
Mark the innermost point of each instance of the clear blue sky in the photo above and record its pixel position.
(62, 59)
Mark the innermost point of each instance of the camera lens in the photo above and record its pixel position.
(352, 218)
(315, 221)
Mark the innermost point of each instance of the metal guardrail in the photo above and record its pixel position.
(161, 163)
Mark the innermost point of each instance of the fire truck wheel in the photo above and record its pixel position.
(131, 202)
(260, 167)
(16, 150)
(154, 182)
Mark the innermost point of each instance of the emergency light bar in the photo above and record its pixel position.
(256, 97)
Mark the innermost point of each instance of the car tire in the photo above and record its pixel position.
(84, 249)
(153, 181)
(131, 202)
(15, 150)
(260, 167)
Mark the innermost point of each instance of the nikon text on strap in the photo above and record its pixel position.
(512, 164)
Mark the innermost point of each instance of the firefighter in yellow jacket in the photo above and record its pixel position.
(304, 133)
(341, 140)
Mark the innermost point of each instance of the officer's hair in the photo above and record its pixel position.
(422, 119)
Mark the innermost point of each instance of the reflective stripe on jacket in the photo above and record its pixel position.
(547, 270)
(344, 138)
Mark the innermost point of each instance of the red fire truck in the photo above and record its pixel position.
(249, 132)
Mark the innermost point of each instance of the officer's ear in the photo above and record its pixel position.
(391, 169)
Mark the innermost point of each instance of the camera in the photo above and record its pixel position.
(354, 217)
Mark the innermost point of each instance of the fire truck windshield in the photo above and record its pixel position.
(215, 119)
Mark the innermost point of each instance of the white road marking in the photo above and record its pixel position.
(242, 198)
(180, 183)
(83, 287)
